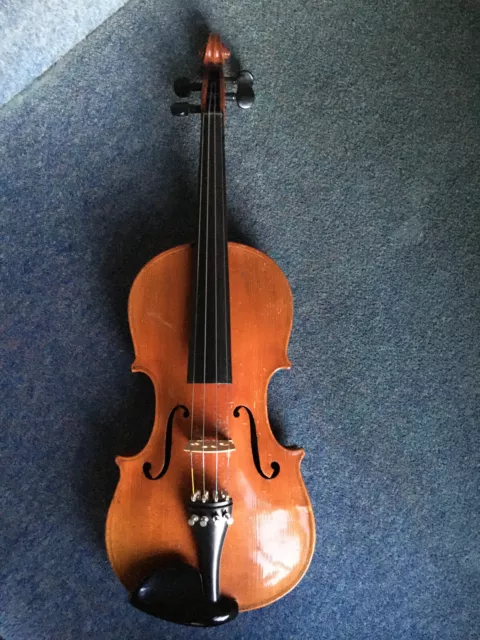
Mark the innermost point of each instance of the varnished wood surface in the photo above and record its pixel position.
(269, 546)
(215, 55)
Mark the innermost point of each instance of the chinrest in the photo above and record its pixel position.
(175, 593)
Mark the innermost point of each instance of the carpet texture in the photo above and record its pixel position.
(36, 33)
(357, 171)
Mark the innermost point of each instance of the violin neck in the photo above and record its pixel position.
(209, 351)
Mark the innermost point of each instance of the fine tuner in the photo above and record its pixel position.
(241, 92)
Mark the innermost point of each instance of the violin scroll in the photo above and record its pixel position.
(237, 89)
(216, 53)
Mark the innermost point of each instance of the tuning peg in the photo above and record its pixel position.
(183, 87)
(244, 94)
(245, 76)
(184, 108)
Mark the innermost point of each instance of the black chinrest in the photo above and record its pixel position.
(175, 593)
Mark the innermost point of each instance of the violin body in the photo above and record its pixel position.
(212, 517)
(270, 545)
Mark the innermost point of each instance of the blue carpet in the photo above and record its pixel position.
(36, 33)
(357, 171)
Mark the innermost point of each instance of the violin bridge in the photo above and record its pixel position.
(210, 445)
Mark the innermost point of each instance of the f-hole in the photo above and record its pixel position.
(254, 442)
(168, 444)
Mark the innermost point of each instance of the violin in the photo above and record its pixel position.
(212, 517)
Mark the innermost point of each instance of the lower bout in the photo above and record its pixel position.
(260, 562)
(270, 562)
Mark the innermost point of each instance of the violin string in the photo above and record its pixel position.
(226, 307)
(209, 110)
(195, 327)
(216, 305)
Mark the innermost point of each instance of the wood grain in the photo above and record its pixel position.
(270, 545)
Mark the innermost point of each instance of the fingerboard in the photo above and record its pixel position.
(209, 350)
